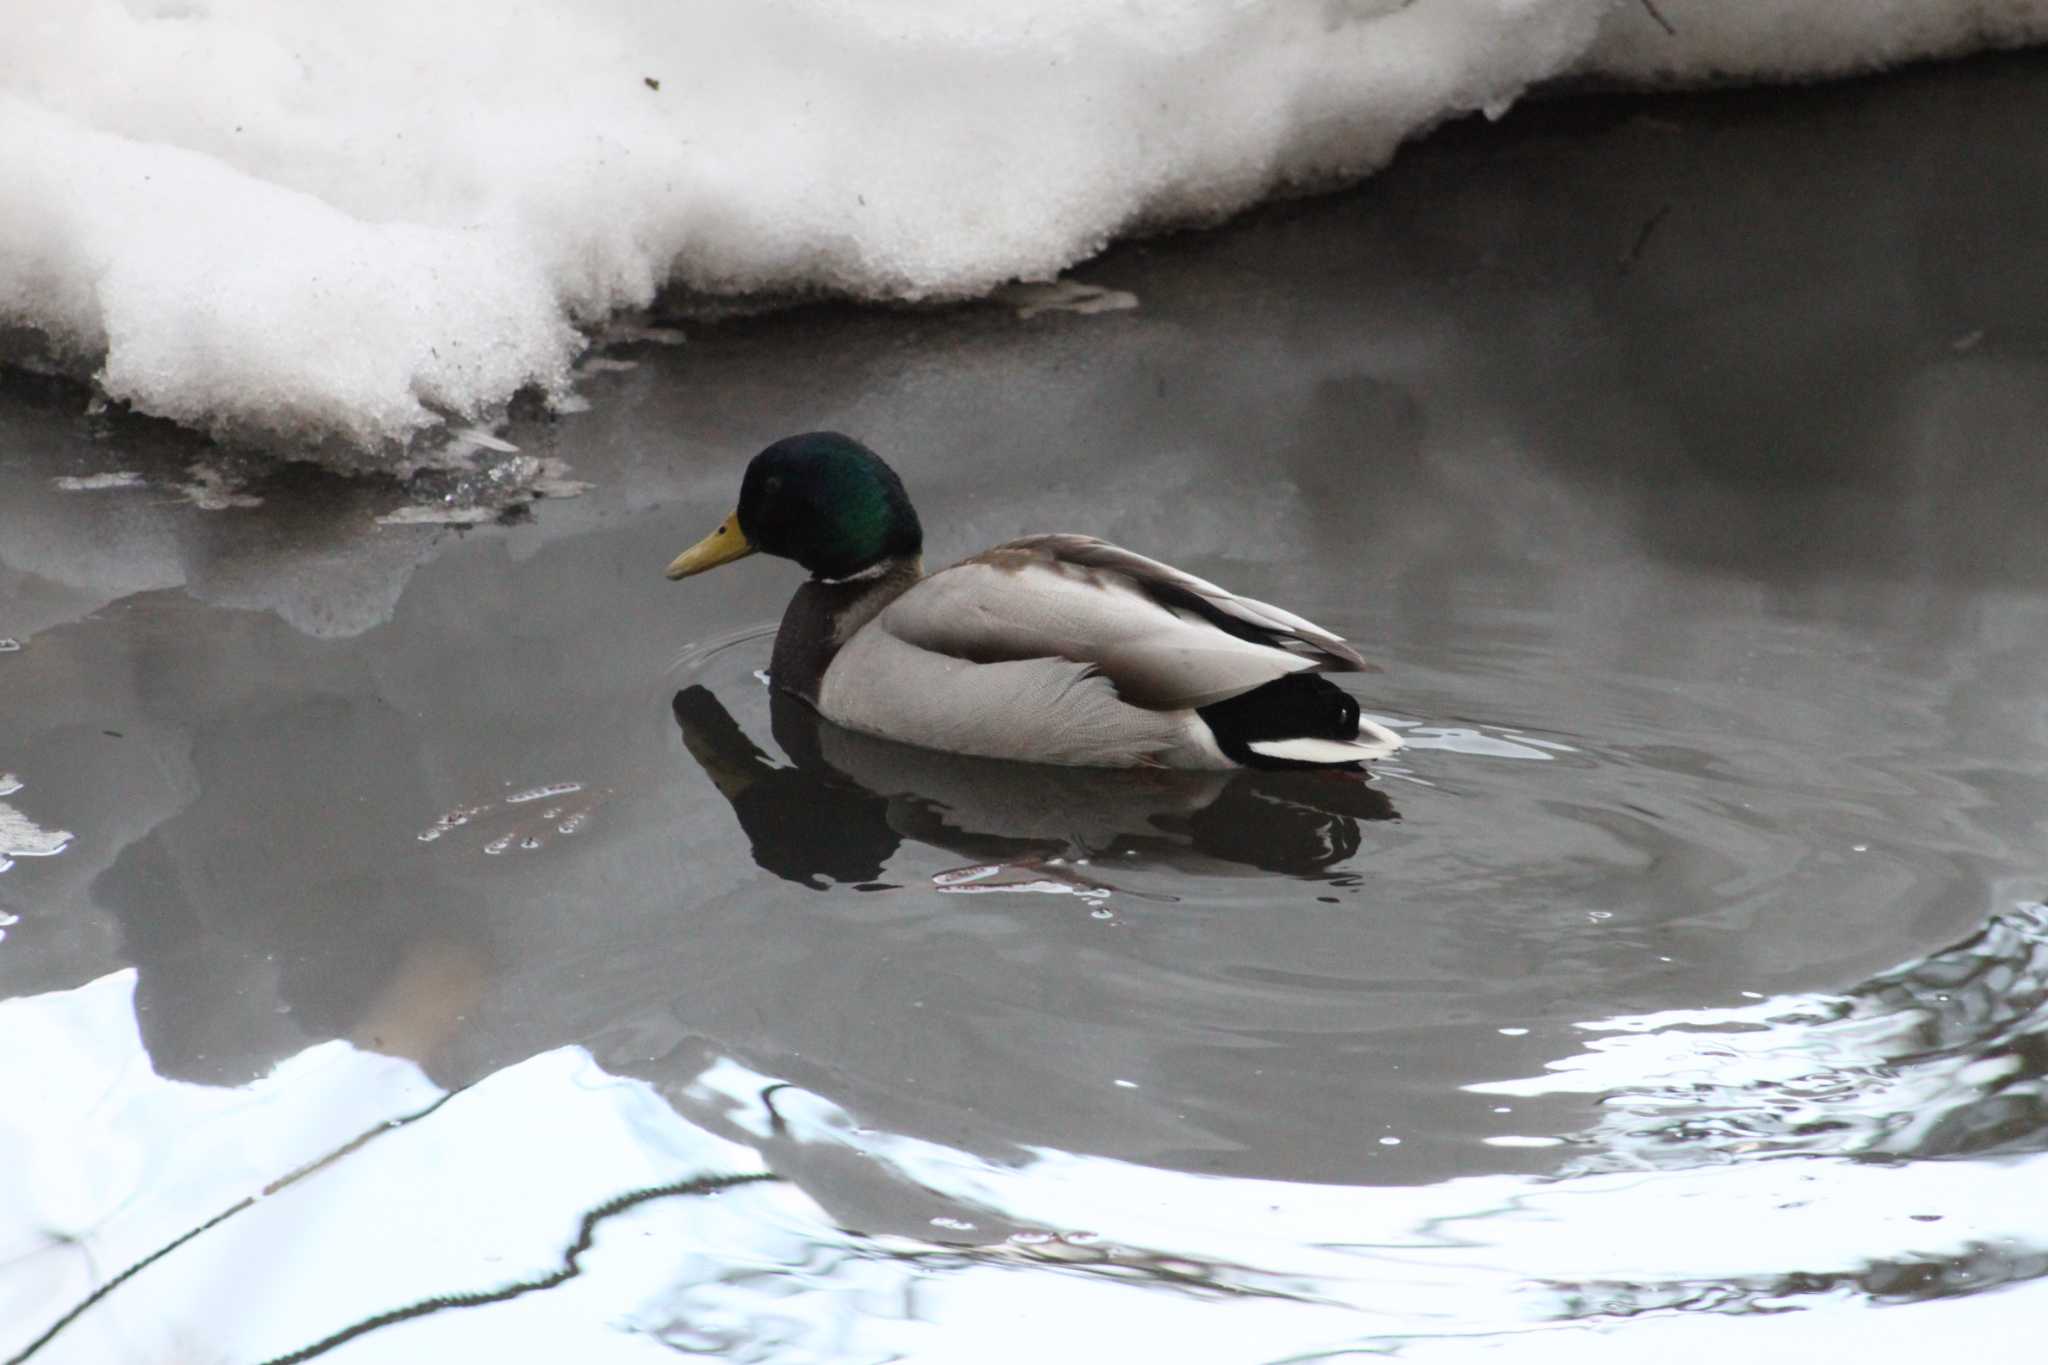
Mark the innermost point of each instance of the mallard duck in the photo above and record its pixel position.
(1051, 649)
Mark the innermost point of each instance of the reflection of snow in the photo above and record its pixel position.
(288, 230)
(1926, 1060)
(102, 1162)
(1484, 1256)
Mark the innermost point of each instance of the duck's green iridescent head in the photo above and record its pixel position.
(821, 499)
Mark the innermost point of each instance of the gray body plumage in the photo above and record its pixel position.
(1051, 649)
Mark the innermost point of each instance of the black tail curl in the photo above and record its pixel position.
(1298, 706)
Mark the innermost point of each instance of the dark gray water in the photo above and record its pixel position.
(1677, 993)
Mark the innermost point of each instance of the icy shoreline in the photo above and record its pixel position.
(278, 222)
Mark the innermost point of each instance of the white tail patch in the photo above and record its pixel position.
(1325, 750)
(1374, 741)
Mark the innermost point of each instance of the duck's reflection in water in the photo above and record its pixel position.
(845, 803)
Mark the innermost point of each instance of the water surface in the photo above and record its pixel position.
(1677, 990)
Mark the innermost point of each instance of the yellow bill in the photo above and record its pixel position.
(722, 546)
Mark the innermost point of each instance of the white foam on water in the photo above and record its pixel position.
(298, 221)
(1464, 740)
(543, 792)
(213, 491)
(1065, 296)
(21, 837)
(93, 483)
(530, 828)
(430, 514)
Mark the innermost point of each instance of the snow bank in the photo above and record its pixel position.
(300, 221)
